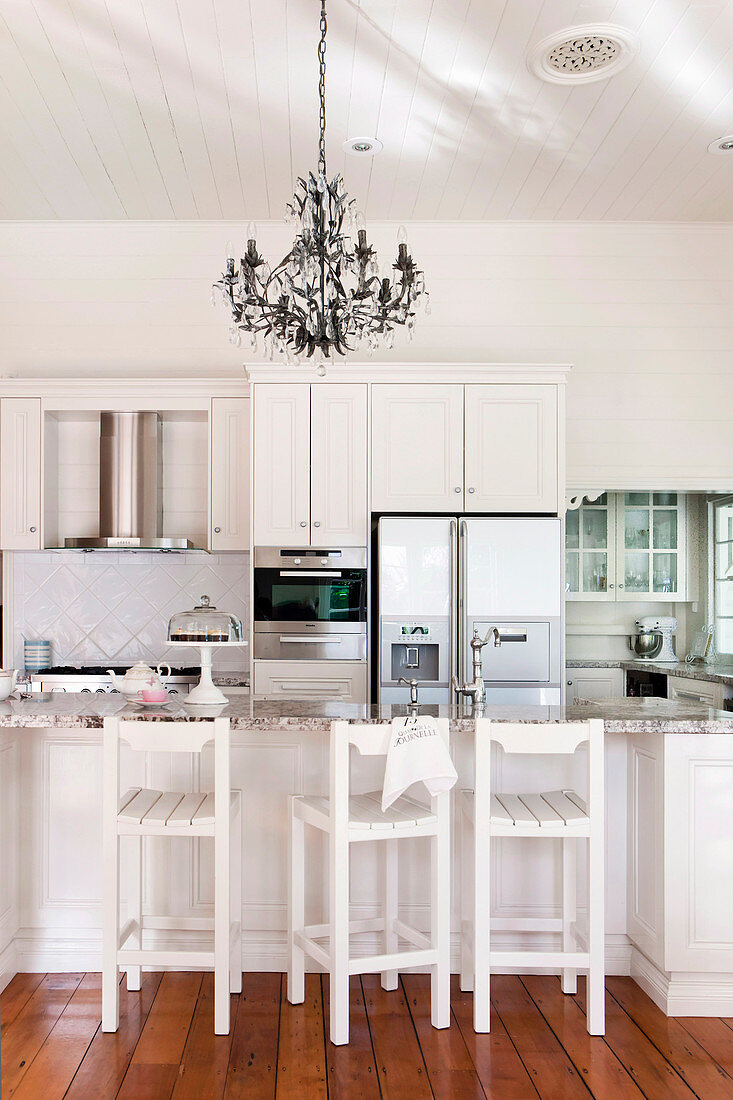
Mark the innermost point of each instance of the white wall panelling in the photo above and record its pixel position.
(177, 111)
(9, 845)
(643, 312)
(114, 608)
(60, 915)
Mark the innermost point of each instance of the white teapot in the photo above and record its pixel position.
(8, 680)
(139, 677)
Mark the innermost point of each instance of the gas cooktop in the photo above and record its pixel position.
(102, 670)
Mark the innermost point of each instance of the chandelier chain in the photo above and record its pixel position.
(322, 89)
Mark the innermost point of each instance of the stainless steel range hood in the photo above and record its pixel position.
(130, 486)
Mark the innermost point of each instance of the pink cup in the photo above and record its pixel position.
(153, 695)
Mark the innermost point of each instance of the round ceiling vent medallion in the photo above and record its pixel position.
(362, 146)
(579, 55)
(721, 145)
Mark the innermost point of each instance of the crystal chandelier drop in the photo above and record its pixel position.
(326, 295)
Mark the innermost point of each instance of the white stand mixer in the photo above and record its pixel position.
(664, 627)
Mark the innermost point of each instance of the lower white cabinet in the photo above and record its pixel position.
(345, 680)
(593, 683)
(688, 690)
(680, 869)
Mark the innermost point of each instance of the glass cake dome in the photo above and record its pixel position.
(204, 623)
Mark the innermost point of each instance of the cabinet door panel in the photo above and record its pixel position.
(20, 468)
(417, 448)
(229, 474)
(339, 465)
(282, 465)
(511, 448)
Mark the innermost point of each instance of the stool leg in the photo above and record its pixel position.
(481, 924)
(111, 929)
(235, 895)
(440, 906)
(391, 886)
(134, 973)
(296, 907)
(221, 907)
(569, 981)
(596, 999)
(466, 926)
(339, 933)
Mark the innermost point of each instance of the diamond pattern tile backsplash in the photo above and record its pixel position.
(114, 608)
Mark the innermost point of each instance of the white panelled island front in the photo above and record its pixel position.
(669, 865)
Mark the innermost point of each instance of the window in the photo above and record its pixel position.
(721, 572)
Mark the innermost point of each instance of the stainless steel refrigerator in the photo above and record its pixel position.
(439, 577)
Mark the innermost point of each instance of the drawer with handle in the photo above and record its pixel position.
(688, 690)
(345, 680)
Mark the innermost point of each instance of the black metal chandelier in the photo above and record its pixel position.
(326, 295)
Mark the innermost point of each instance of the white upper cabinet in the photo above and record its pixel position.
(505, 461)
(417, 448)
(310, 459)
(511, 448)
(20, 473)
(338, 507)
(282, 464)
(229, 527)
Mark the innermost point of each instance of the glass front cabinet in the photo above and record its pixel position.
(627, 546)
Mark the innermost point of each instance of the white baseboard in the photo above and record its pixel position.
(682, 994)
(39, 950)
(8, 964)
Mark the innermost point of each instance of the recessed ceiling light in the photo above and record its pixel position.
(363, 146)
(721, 145)
(579, 55)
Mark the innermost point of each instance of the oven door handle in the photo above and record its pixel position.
(304, 573)
(322, 639)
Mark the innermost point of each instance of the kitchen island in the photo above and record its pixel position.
(669, 768)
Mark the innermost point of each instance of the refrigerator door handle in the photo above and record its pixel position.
(462, 560)
(452, 671)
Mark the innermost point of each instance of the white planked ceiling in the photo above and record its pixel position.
(160, 109)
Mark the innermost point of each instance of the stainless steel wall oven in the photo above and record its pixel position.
(310, 604)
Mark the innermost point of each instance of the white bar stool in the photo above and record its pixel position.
(551, 815)
(139, 813)
(350, 820)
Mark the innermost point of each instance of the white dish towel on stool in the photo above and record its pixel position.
(416, 752)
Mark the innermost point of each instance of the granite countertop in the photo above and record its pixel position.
(76, 711)
(231, 679)
(693, 672)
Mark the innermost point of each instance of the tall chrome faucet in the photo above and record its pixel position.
(476, 691)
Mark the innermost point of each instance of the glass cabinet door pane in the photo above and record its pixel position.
(595, 529)
(724, 597)
(665, 573)
(572, 572)
(724, 559)
(595, 572)
(665, 529)
(724, 635)
(636, 572)
(724, 522)
(600, 503)
(572, 530)
(637, 498)
(665, 499)
(636, 529)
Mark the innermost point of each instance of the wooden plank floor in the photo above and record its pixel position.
(52, 1046)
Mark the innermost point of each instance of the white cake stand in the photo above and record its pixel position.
(206, 693)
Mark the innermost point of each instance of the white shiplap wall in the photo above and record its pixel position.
(644, 311)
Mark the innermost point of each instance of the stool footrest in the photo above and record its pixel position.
(575, 959)
(156, 957)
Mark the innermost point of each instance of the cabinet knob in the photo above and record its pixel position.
(472, 490)
(303, 523)
(610, 586)
(457, 489)
(217, 530)
(316, 523)
(620, 586)
(33, 530)
(570, 683)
